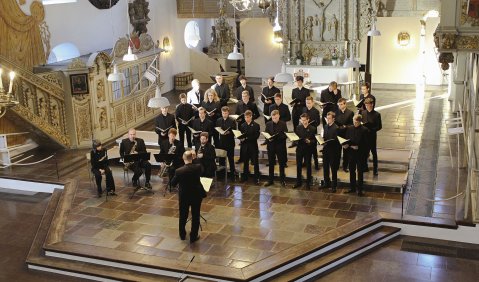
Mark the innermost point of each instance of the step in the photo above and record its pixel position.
(340, 256)
(36, 259)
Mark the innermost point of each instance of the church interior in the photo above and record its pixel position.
(75, 73)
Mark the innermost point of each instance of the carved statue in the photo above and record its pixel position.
(334, 24)
(308, 26)
(55, 115)
(138, 11)
(103, 120)
(42, 107)
(100, 91)
(322, 7)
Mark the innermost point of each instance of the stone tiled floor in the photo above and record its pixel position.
(244, 223)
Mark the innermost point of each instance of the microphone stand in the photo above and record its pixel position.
(184, 271)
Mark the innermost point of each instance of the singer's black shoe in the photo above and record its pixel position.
(292, 145)
(99, 194)
(135, 183)
(283, 184)
(148, 185)
(297, 185)
(111, 193)
(325, 184)
(192, 240)
(183, 237)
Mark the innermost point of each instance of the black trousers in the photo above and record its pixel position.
(303, 154)
(110, 183)
(296, 114)
(345, 158)
(331, 163)
(183, 129)
(247, 157)
(280, 153)
(230, 153)
(185, 204)
(372, 147)
(355, 166)
(138, 168)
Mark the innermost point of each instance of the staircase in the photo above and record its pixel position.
(42, 102)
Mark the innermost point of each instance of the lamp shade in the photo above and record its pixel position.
(235, 55)
(374, 31)
(158, 101)
(284, 77)
(116, 76)
(128, 57)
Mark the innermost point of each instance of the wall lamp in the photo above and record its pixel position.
(403, 39)
(167, 44)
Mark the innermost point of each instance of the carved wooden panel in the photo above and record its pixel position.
(119, 116)
(129, 112)
(83, 122)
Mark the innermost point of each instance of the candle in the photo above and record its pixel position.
(346, 45)
(1, 82)
(289, 44)
(12, 76)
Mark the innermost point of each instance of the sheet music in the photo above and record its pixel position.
(342, 140)
(320, 139)
(221, 131)
(267, 135)
(267, 117)
(206, 182)
(233, 100)
(237, 133)
(292, 136)
(194, 131)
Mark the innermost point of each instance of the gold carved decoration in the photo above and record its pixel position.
(100, 90)
(142, 43)
(77, 63)
(445, 59)
(53, 77)
(139, 108)
(129, 113)
(82, 120)
(448, 41)
(22, 40)
(119, 117)
(468, 42)
(102, 118)
(42, 124)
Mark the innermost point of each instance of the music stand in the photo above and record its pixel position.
(168, 160)
(137, 158)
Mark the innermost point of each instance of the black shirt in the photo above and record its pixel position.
(372, 120)
(269, 93)
(98, 159)
(241, 108)
(239, 92)
(329, 96)
(314, 116)
(284, 113)
(300, 94)
(164, 122)
(361, 97)
(223, 92)
(306, 133)
(166, 147)
(344, 118)
(185, 112)
(227, 140)
(276, 128)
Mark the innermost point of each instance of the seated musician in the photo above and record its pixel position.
(133, 145)
(99, 167)
(206, 155)
(174, 147)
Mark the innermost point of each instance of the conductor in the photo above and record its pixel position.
(191, 193)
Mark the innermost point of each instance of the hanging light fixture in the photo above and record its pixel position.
(264, 4)
(277, 37)
(374, 31)
(158, 101)
(116, 76)
(235, 55)
(283, 76)
(128, 57)
(6, 99)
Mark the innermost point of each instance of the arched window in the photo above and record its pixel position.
(63, 52)
(192, 34)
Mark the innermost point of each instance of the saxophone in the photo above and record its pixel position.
(133, 148)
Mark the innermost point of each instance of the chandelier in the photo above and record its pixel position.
(6, 99)
(243, 5)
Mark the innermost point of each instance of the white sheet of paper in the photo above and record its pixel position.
(206, 182)
(267, 117)
(234, 116)
(220, 130)
(233, 100)
(320, 139)
(194, 131)
(237, 133)
(342, 140)
(292, 136)
(266, 135)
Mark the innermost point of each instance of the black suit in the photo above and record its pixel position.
(223, 92)
(331, 150)
(361, 97)
(277, 147)
(190, 194)
(315, 119)
(300, 94)
(343, 119)
(164, 122)
(227, 141)
(249, 148)
(304, 151)
(136, 167)
(204, 126)
(357, 137)
(99, 160)
(283, 110)
(208, 161)
(177, 162)
(329, 96)
(372, 121)
(185, 112)
(239, 92)
(241, 108)
(269, 93)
